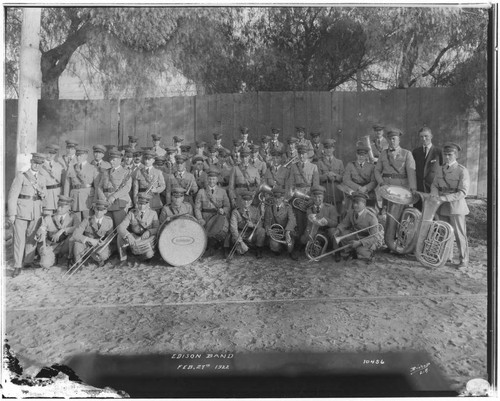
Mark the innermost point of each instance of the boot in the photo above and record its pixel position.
(293, 255)
(258, 253)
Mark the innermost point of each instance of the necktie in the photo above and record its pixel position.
(98, 164)
(142, 215)
(50, 164)
(60, 220)
(317, 209)
(98, 225)
(213, 190)
(278, 208)
(425, 151)
(356, 215)
(361, 165)
(80, 166)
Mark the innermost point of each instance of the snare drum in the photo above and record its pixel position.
(182, 241)
(398, 194)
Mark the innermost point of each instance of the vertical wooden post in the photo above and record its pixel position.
(30, 78)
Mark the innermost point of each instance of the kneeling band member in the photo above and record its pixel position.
(366, 242)
(177, 207)
(55, 232)
(91, 232)
(249, 216)
(281, 213)
(138, 230)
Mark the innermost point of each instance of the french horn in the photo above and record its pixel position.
(435, 240)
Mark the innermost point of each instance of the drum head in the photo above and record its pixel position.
(182, 241)
(398, 194)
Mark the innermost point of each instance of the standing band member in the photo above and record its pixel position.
(80, 184)
(249, 216)
(377, 143)
(54, 234)
(281, 213)
(265, 149)
(138, 230)
(24, 204)
(245, 142)
(184, 179)
(176, 207)
(199, 172)
(317, 146)
(244, 177)
(276, 175)
(331, 171)
(451, 185)
(150, 180)
(275, 142)
(256, 161)
(156, 145)
(366, 242)
(93, 232)
(53, 171)
(300, 132)
(69, 158)
(212, 203)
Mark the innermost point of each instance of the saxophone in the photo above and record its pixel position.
(435, 240)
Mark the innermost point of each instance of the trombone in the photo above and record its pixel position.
(294, 159)
(233, 249)
(380, 230)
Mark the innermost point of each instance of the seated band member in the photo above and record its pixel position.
(366, 242)
(322, 218)
(55, 232)
(212, 202)
(138, 230)
(92, 232)
(177, 206)
(281, 213)
(246, 213)
(359, 176)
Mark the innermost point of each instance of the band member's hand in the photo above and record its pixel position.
(312, 218)
(356, 244)
(202, 222)
(92, 241)
(221, 211)
(146, 234)
(240, 240)
(57, 235)
(336, 233)
(131, 239)
(362, 189)
(288, 238)
(442, 198)
(12, 219)
(111, 199)
(323, 222)
(250, 224)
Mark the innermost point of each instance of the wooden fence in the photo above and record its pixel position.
(344, 116)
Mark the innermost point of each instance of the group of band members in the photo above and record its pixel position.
(62, 206)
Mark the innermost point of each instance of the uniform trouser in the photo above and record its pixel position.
(277, 247)
(258, 239)
(79, 249)
(117, 215)
(24, 241)
(457, 221)
(301, 219)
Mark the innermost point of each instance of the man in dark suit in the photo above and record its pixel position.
(428, 158)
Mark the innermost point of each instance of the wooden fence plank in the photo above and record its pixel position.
(313, 112)
(264, 118)
(337, 106)
(276, 115)
(288, 127)
(346, 144)
(300, 108)
(226, 105)
(325, 113)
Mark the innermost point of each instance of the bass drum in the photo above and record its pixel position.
(182, 241)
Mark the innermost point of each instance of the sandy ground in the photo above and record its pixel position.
(249, 305)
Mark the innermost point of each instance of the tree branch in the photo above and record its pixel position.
(433, 66)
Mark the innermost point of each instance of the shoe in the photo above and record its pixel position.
(226, 252)
(293, 255)
(337, 257)
(12, 272)
(32, 265)
(276, 253)
(463, 264)
(258, 253)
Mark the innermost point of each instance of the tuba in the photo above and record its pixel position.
(402, 223)
(317, 244)
(300, 201)
(435, 240)
(264, 193)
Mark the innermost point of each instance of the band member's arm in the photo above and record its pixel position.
(226, 205)
(368, 242)
(168, 190)
(332, 217)
(340, 172)
(434, 186)
(315, 177)
(164, 214)
(231, 191)
(67, 183)
(122, 193)
(347, 179)
(123, 226)
(410, 171)
(153, 229)
(160, 185)
(373, 183)
(291, 221)
(378, 170)
(233, 224)
(198, 204)
(189, 208)
(290, 181)
(194, 186)
(15, 190)
(70, 229)
(135, 186)
(79, 231)
(463, 187)
(345, 224)
(268, 217)
(323, 172)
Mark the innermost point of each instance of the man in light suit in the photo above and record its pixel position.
(428, 158)
(53, 171)
(451, 185)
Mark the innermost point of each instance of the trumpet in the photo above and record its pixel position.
(294, 159)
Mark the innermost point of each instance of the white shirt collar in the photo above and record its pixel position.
(452, 164)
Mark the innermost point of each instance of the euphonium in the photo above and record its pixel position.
(277, 233)
(435, 239)
(264, 191)
(317, 244)
(301, 201)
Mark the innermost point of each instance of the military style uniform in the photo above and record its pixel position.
(185, 180)
(396, 168)
(333, 195)
(53, 172)
(24, 201)
(208, 204)
(285, 217)
(143, 179)
(353, 222)
(277, 145)
(323, 211)
(453, 183)
(169, 211)
(308, 145)
(80, 186)
(135, 224)
(378, 146)
(239, 218)
(276, 177)
(116, 182)
(159, 151)
(201, 178)
(90, 228)
(102, 166)
(67, 163)
(242, 179)
(259, 165)
(318, 150)
(358, 175)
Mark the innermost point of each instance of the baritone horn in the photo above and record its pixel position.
(277, 234)
(264, 191)
(300, 201)
(435, 240)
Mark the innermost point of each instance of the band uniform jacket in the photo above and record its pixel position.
(142, 181)
(201, 178)
(53, 172)
(265, 154)
(336, 166)
(284, 217)
(172, 210)
(239, 218)
(260, 165)
(357, 176)
(400, 165)
(242, 178)
(80, 186)
(51, 224)
(117, 183)
(208, 204)
(212, 162)
(276, 176)
(318, 150)
(88, 229)
(366, 219)
(159, 151)
(302, 178)
(67, 163)
(224, 175)
(277, 145)
(378, 145)
(327, 211)
(26, 209)
(426, 167)
(185, 180)
(307, 143)
(101, 167)
(133, 223)
(452, 183)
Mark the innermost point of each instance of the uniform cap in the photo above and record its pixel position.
(171, 149)
(37, 158)
(71, 144)
(52, 148)
(185, 148)
(132, 139)
(278, 191)
(329, 143)
(247, 195)
(245, 152)
(301, 149)
(64, 200)
(178, 139)
(394, 132)
(212, 149)
(137, 152)
(200, 144)
(451, 146)
(180, 158)
(237, 142)
(254, 148)
(275, 130)
(266, 138)
(292, 140)
(114, 154)
(213, 173)
(359, 195)
(80, 151)
(99, 148)
(223, 153)
(178, 191)
(314, 134)
(160, 159)
(244, 130)
(300, 129)
(101, 204)
(197, 159)
(128, 152)
(143, 197)
(149, 154)
(156, 137)
(378, 127)
(318, 189)
(217, 135)
(361, 147)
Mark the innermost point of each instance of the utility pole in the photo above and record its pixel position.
(30, 78)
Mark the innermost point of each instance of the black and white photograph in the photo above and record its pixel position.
(249, 200)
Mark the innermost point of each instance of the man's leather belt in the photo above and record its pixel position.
(54, 186)
(108, 190)
(78, 186)
(244, 185)
(394, 175)
(447, 190)
(302, 185)
(29, 197)
(209, 210)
